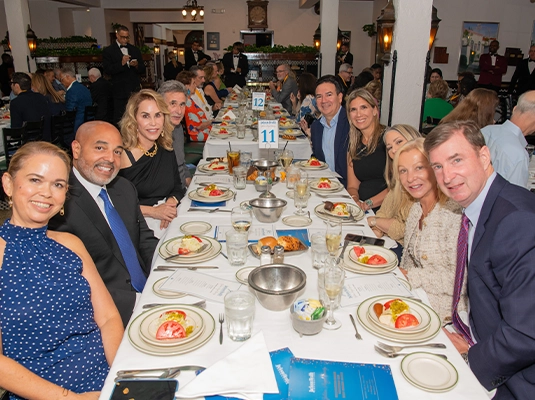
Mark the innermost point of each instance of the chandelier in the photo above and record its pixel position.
(193, 9)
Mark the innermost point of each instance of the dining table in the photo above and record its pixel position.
(276, 327)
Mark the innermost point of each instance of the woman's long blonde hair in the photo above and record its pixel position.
(401, 196)
(409, 133)
(355, 135)
(128, 123)
(43, 86)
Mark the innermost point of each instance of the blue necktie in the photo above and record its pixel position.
(122, 237)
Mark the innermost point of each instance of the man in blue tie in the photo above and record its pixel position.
(102, 209)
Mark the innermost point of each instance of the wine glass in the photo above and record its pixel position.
(241, 218)
(333, 283)
(286, 158)
(333, 236)
(301, 194)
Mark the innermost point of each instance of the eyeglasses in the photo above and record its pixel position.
(280, 71)
(124, 37)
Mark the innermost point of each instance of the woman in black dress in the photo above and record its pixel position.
(148, 160)
(367, 152)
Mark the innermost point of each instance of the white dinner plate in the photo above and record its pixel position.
(325, 215)
(204, 168)
(429, 372)
(242, 274)
(166, 294)
(388, 255)
(218, 134)
(150, 324)
(290, 132)
(410, 338)
(195, 227)
(172, 246)
(206, 193)
(304, 165)
(213, 253)
(139, 344)
(416, 309)
(290, 194)
(229, 194)
(298, 221)
(335, 186)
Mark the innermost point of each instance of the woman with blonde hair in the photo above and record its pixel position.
(367, 152)
(213, 81)
(390, 218)
(478, 106)
(56, 102)
(431, 229)
(149, 161)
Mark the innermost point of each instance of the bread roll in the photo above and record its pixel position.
(289, 243)
(267, 241)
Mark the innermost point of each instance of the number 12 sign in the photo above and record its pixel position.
(268, 133)
(259, 101)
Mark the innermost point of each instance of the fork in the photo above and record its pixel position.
(395, 349)
(221, 320)
(394, 354)
(326, 196)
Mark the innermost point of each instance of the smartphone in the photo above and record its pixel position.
(367, 239)
(150, 389)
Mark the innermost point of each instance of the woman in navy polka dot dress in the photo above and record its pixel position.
(59, 327)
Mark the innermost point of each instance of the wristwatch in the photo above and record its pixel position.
(369, 203)
(465, 357)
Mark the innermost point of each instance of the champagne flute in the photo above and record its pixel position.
(333, 236)
(333, 283)
(241, 218)
(286, 158)
(301, 194)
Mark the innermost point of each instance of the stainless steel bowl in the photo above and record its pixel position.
(264, 165)
(267, 209)
(277, 285)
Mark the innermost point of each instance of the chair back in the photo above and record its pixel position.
(56, 128)
(33, 130)
(90, 113)
(13, 140)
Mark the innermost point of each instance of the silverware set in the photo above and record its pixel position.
(201, 304)
(166, 372)
(175, 267)
(394, 351)
(208, 210)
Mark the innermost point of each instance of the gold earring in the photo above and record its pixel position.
(161, 134)
(62, 211)
(10, 202)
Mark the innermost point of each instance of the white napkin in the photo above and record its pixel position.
(230, 114)
(237, 88)
(246, 374)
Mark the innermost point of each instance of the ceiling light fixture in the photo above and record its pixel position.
(193, 9)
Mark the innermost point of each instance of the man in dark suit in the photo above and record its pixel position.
(77, 97)
(102, 95)
(195, 56)
(330, 133)
(524, 78)
(492, 67)
(172, 68)
(344, 57)
(96, 159)
(498, 240)
(124, 63)
(28, 106)
(236, 66)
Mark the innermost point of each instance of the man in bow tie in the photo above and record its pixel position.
(125, 65)
(492, 67)
(195, 56)
(524, 78)
(236, 66)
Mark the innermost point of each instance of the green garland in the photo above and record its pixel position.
(277, 49)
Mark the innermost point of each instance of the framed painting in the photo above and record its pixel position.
(212, 39)
(475, 40)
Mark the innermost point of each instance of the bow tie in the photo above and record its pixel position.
(236, 56)
(123, 46)
(194, 52)
(493, 55)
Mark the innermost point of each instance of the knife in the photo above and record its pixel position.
(173, 267)
(141, 371)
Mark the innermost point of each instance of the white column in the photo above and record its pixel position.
(329, 35)
(98, 25)
(411, 40)
(18, 18)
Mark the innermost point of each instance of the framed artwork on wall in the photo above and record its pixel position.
(212, 39)
(475, 40)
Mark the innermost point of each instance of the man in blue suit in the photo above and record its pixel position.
(77, 97)
(499, 241)
(330, 133)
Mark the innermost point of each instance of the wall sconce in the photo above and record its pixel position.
(317, 38)
(385, 30)
(156, 49)
(181, 52)
(32, 41)
(434, 27)
(6, 39)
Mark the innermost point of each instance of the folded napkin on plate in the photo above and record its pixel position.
(237, 88)
(246, 374)
(229, 114)
(195, 203)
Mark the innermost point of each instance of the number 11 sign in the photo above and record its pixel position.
(268, 133)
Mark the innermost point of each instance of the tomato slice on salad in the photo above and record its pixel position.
(387, 304)
(406, 321)
(359, 250)
(170, 330)
(216, 192)
(376, 259)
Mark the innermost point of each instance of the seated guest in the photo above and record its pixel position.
(172, 68)
(212, 82)
(198, 124)
(375, 87)
(175, 95)
(361, 80)
(220, 73)
(366, 160)
(77, 98)
(431, 229)
(466, 82)
(285, 85)
(56, 102)
(93, 186)
(377, 71)
(478, 106)
(305, 101)
(236, 66)
(102, 95)
(60, 328)
(345, 77)
(390, 218)
(435, 105)
(198, 96)
(56, 84)
(330, 134)
(149, 161)
(28, 106)
(507, 142)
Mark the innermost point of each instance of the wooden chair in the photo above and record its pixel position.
(13, 140)
(33, 130)
(90, 113)
(56, 128)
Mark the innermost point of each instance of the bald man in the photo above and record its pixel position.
(97, 151)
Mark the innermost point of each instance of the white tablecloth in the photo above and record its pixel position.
(338, 345)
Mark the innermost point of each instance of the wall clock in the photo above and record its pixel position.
(257, 14)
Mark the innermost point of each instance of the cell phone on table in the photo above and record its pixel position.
(149, 389)
(367, 239)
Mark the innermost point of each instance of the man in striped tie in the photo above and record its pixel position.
(496, 252)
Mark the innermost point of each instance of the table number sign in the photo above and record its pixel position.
(268, 133)
(259, 101)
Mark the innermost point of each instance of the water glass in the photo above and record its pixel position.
(236, 247)
(246, 159)
(293, 174)
(319, 250)
(239, 314)
(240, 177)
(240, 131)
